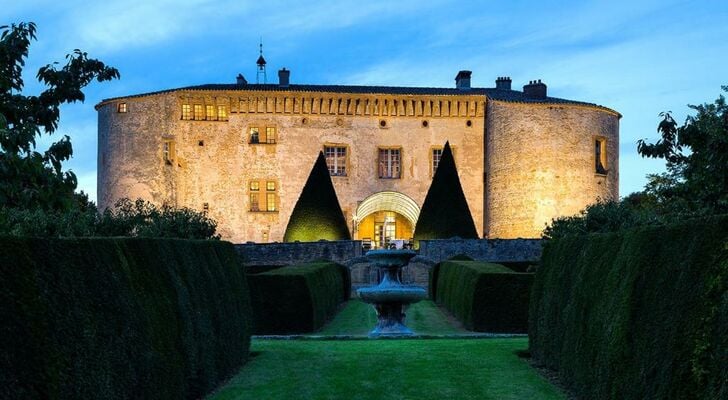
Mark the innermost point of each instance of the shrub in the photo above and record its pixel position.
(317, 214)
(298, 298)
(120, 318)
(636, 314)
(136, 219)
(485, 297)
(144, 219)
(445, 212)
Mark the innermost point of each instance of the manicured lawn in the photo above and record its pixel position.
(358, 318)
(388, 369)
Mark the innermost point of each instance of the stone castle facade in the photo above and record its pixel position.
(242, 152)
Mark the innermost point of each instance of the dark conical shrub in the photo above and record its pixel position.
(317, 214)
(445, 212)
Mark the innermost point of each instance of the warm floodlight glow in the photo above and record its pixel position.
(388, 201)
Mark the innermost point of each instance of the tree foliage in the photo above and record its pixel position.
(128, 218)
(695, 183)
(317, 214)
(30, 179)
(445, 212)
(696, 157)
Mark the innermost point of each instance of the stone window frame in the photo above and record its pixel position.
(378, 162)
(261, 135)
(268, 130)
(600, 155)
(198, 112)
(432, 158)
(210, 112)
(263, 196)
(168, 151)
(122, 108)
(345, 166)
(222, 113)
(186, 112)
(271, 196)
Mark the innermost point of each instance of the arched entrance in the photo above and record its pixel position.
(386, 218)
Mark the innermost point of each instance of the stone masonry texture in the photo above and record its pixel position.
(520, 164)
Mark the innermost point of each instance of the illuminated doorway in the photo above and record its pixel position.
(386, 219)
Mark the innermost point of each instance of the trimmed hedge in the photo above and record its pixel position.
(485, 297)
(317, 214)
(445, 212)
(640, 314)
(117, 318)
(298, 298)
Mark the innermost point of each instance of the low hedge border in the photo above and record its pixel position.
(117, 318)
(484, 297)
(639, 314)
(298, 298)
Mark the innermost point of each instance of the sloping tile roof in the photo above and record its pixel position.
(514, 96)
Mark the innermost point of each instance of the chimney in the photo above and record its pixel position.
(462, 80)
(535, 89)
(503, 82)
(240, 79)
(283, 77)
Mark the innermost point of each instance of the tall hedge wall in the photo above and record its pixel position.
(119, 318)
(641, 314)
(297, 298)
(485, 297)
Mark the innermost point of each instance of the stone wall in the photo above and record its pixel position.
(520, 164)
(214, 163)
(505, 250)
(293, 253)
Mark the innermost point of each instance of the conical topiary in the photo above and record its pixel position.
(317, 214)
(445, 212)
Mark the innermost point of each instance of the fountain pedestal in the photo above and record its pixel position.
(391, 297)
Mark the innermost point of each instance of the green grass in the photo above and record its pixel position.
(358, 318)
(388, 369)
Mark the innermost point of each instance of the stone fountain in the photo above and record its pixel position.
(390, 298)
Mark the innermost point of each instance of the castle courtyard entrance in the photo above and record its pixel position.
(386, 219)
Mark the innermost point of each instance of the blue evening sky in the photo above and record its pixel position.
(639, 57)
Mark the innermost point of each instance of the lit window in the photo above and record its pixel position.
(168, 151)
(254, 135)
(199, 114)
(122, 108)
(254, 196)
(270, 196)
(222, 113)
(271, 201)
(270, 134)
(210, 113)
(336, 160)
(389, 163)
(186, 111)
(436, 156)
(600, 156)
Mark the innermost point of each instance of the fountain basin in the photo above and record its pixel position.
(395, 294)
(390, 298)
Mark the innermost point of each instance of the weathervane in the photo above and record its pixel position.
(261, 65)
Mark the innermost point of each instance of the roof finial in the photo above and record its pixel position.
(261, 65)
